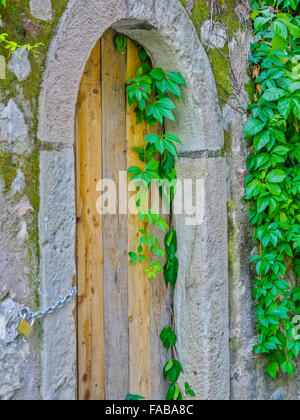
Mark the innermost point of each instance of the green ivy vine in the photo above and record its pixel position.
(273, 183)
(12, 46)
(151, 92)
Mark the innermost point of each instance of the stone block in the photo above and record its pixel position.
(19, 64)
(57, 241)
(201, 296)
(41, 9)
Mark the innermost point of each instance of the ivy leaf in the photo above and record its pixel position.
(296, 106)
(171, 243)
(152, 138)
(173, 88)
(262, 204)
(177, 78)
(143, 55)
(133, 257)
(174, 393)
(134, 170)
(157, 73)
(172, 370)
(276, 176)
(280, 29)
(294, 87)
(253, 127)
(132, 397)
(278, 134)
(261, 140)
(273, 94)
(171, 272)
(152, 165)
(121, 42)
(168, 337)
(284, 107)
(294, 30)
(167, 103)
(172, 137)
(188, 391)
(288, 367)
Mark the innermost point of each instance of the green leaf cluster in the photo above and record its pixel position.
(273, 183)
(153, 92)
(151, 89)
(12, 46)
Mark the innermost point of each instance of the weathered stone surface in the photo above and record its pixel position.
(14, 269)
(13, 129)
(164, 28)
(242, 316)
(189, 5)
(201, 303)
(18, 184)
(57, 242)
(31, 27)
(19, 362)
(170, 37)
(41, 9)
(278, 395)
(19, 64)
(12, 350)
(213, 34)
(2, 67)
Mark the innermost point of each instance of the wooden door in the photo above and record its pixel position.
(120, 312)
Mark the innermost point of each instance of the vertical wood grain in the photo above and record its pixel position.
(89, 234)
(115, 226)
(138, 284)
(120, 312)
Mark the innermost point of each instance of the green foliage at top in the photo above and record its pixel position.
(12, 46)
(280, 5)
(152, 92)
(273, 183)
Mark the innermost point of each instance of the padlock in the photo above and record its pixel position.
(25, 327)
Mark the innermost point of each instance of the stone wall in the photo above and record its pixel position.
(223, 29)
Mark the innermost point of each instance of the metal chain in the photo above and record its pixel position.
(42, 314)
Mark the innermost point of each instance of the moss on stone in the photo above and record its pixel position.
(199, 14)
(219, 64)
(250, 89)
(27, 92)
(183, 2)
(8, 169)
(228, 16)
(228, 141)
(234, 343)
(218, 58)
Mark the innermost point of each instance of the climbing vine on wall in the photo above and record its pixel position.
(10, 45)
(151, 92)
(273, 185)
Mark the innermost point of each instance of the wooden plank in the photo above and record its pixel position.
(89, 235)
(115, 226)
(138, 284)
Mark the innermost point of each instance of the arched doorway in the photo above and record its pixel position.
(201, 301)
(120, 312)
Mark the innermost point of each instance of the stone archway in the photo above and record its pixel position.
(165, 30)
